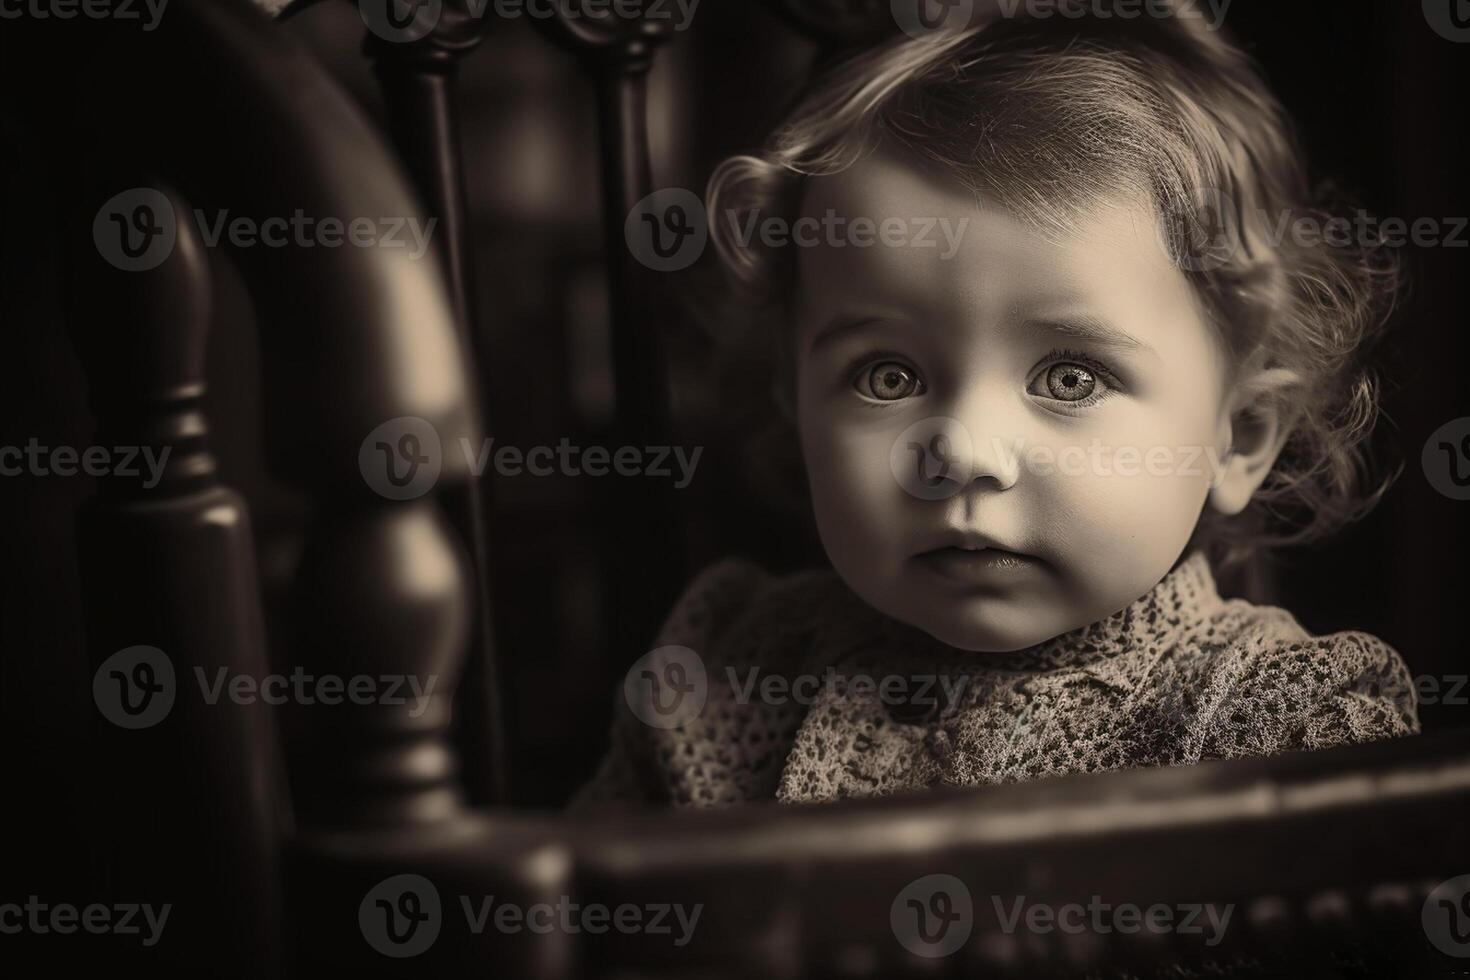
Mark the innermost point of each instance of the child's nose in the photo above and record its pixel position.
(986, 434)
(997, 461)
(994, 457)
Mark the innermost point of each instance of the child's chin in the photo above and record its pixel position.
(989, 626)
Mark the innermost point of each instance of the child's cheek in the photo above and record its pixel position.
(1125, 518)
(847, 465)
(861, 510)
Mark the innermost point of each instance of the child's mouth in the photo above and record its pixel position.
(984, 566)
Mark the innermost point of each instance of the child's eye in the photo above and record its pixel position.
(1073, 380)
(889, 381)
(1070, 382)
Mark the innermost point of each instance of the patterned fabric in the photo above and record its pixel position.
(811, 695)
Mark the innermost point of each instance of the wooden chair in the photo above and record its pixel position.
(281, 842)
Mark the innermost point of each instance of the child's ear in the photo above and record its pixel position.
(1254, 430)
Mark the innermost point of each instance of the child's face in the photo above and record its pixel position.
(973, 338)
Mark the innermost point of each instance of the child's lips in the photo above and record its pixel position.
(985, 566)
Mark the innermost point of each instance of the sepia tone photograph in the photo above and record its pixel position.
(723, 489)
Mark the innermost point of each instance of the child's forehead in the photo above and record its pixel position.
(957, 249)
(898, 179)
(889, 183)
(886, 182)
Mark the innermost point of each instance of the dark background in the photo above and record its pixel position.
(1378, 98)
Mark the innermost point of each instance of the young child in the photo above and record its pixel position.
(1026, 440)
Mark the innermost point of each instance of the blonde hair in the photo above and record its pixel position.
(1048, 115)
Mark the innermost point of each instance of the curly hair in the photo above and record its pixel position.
(1047, 115)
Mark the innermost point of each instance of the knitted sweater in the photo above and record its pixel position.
(804, 693)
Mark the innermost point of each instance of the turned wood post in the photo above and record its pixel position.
(367, 403)
(417, 68)
(644, 567)
(192, 785)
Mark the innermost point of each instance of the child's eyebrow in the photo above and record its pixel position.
(839, 325)
(1091, 328)
(1081, 326)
